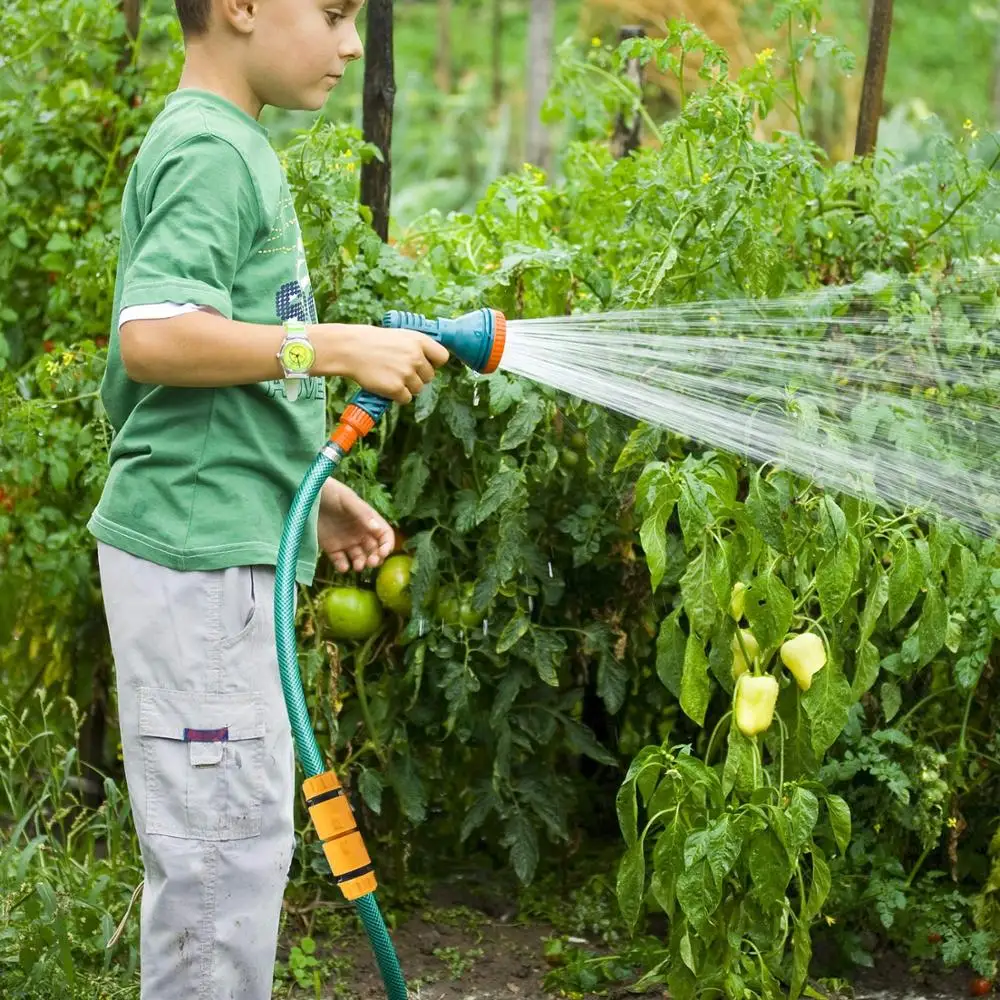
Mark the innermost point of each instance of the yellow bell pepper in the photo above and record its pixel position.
(740, 665)
(754, 703)
(805, 655)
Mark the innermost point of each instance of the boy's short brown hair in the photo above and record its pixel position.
(193, 15)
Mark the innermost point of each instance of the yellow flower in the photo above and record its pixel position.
(350, 168)
(706, 177)
(595, 41)
(952, 822)
(349, 154)
(830, 920)
(967, 124)
(765, 56)
(68, 357)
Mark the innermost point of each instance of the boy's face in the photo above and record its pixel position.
(299, 49)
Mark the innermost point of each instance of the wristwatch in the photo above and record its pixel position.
(297, 356)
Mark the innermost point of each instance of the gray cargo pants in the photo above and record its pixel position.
(210, 771)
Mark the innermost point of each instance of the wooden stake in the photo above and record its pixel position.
(871, 94)
(379, 98)
(626, 135)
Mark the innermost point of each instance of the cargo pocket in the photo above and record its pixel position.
(203, 758)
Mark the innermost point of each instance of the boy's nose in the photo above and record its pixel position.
(352, 48)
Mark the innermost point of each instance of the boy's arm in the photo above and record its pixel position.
(204, 349)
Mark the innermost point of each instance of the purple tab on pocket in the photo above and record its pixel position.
(206, 735)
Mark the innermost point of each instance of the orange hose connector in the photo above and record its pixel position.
(343, 845)
(354, 423)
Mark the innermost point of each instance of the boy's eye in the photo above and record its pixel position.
(334, 17)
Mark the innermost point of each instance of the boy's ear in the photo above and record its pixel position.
(241, 14)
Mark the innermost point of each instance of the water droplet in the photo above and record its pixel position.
(475, 396)
(420, 627)
(531, 604)
(486, 626)
(550, 569)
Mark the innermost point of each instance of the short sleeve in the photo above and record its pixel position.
(199, 215)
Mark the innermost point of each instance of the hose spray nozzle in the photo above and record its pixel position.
(477, 339)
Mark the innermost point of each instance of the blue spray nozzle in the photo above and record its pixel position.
(477, 338)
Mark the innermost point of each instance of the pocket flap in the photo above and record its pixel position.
(200, 716)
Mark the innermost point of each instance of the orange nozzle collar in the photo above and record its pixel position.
(499, 342)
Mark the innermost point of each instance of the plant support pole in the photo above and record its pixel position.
(626, 136)
(879, 30)
(379, 97)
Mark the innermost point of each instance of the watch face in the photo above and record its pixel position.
(298, 357)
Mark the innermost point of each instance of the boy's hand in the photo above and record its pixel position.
(350, 532)
(396, 364)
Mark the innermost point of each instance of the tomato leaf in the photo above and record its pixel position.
(522, 425)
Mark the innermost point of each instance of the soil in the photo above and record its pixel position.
(453, 951)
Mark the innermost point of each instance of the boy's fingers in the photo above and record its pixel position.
(435, 352)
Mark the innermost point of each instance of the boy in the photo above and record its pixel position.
(216, 421)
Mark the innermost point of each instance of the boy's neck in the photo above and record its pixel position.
(203, 70)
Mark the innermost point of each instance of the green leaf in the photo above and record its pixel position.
(550, 648)
(866, 669)
(59, 243)
(670, 653)
(693, 510)
(501, 488)
(505, 391)
(933, 628)
(827, 703)
(405, 780)
(835, 576)
(876, 597)
(802, 813)
(370, 786)
(19, 238)
(413, 476)
(698, 893)
(461, 421)
(612, 683)
(631, 883)
(581, 739)
(765, 508)
(521, 839)
(738, 770)
(904, 582)
(640, 447)
(656, 493)
(522, 425)
(769, 608)
(628, 810)
(801, 957)
(891, 699)
(695, 683)
(698, 589)
(819, 888)
(424, 572)
(840, 820)
(515, 628)
(770, 869)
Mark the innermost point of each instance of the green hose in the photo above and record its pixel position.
(306, 747)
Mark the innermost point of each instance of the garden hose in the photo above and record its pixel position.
(477, 339)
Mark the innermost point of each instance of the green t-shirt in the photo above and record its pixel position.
(202, 478)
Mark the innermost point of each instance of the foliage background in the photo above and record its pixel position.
(505, 748)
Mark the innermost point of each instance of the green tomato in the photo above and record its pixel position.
(393, 584)
(351, 613)
(569, 458)
(454, 606)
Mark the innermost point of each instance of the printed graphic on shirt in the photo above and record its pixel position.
(294, 299)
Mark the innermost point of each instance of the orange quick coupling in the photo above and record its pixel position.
(335, 826)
